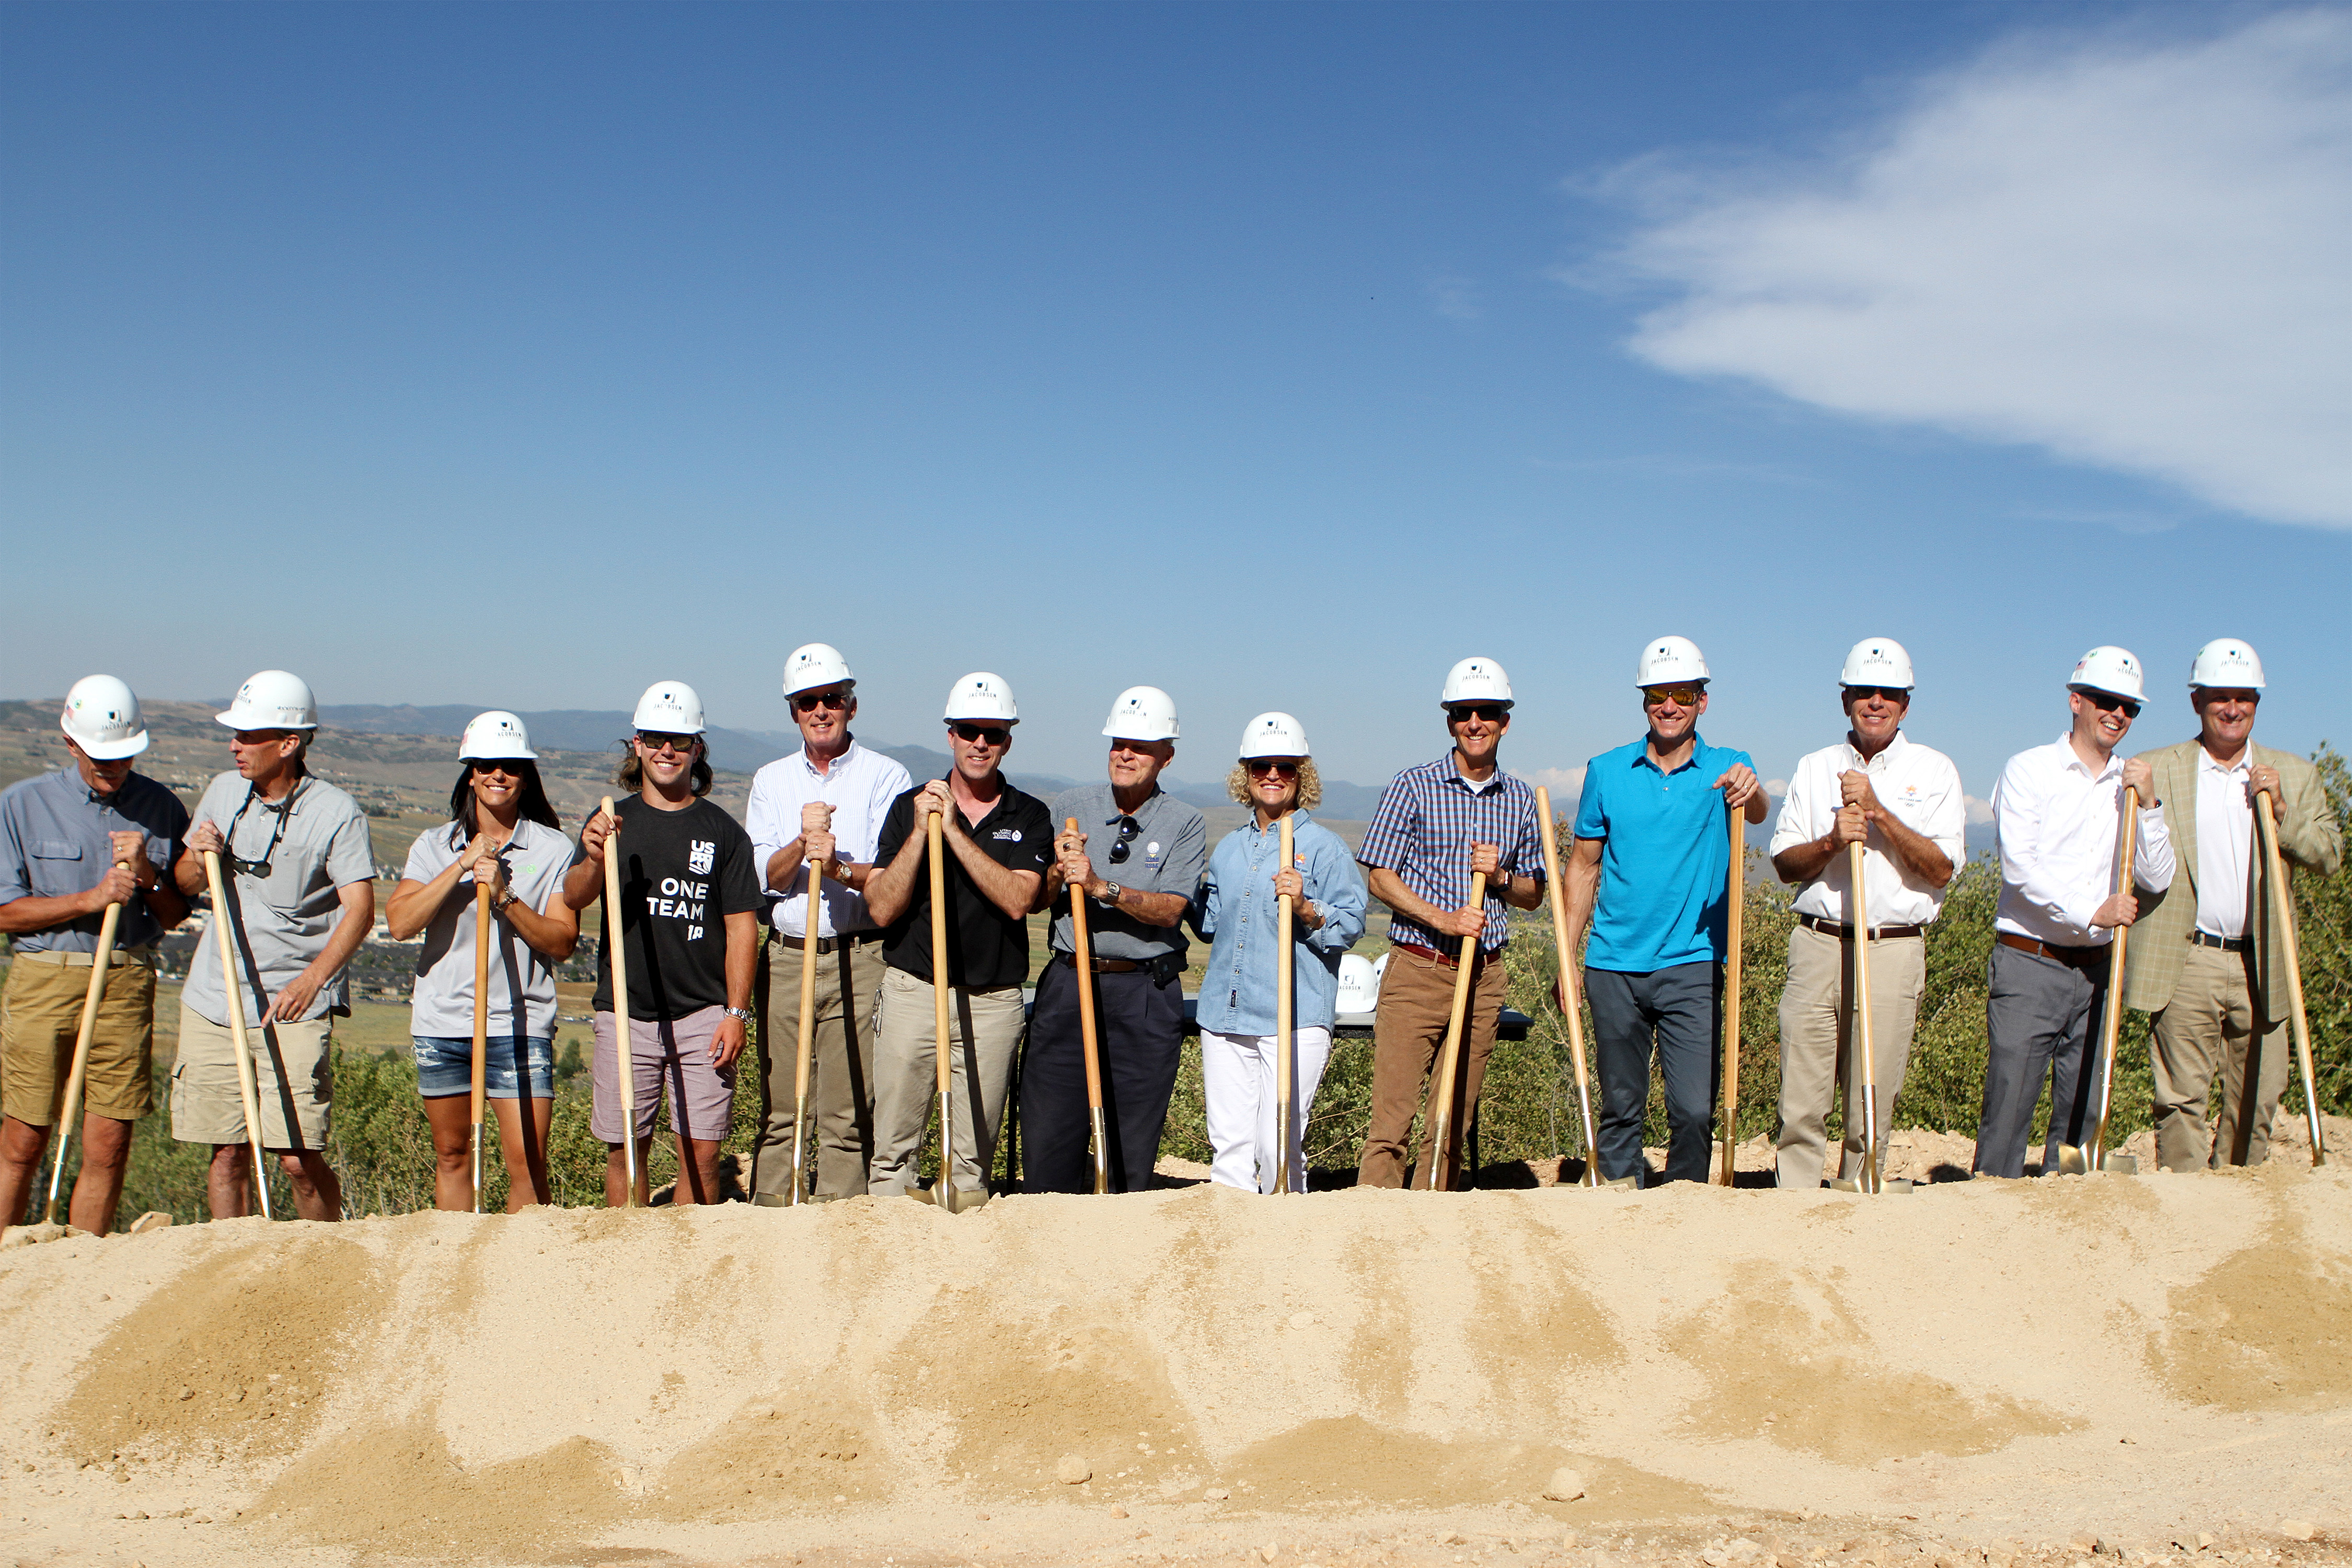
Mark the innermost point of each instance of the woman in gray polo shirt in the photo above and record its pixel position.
(503, 834)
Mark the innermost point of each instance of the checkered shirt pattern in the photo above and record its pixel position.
(1427, 819)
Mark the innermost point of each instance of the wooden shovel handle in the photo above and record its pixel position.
(70, 1104)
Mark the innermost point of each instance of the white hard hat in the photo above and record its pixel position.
(1359, 985)
(2110, 669)
(496, 735)
(1670, 661)
(982, 696)
(1274, 735)
(272, 699)
(669, 708)
(1877, 661)
(102, 714)
(2224, 661)
(816, 664)
(1142, 713)
(1476, 680)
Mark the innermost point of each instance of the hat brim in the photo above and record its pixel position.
(110, 751)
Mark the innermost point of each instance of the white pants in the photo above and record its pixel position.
(1238, 1083)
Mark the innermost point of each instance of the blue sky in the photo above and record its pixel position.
(1277, 355)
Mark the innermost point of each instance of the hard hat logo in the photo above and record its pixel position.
(982, 696)
(496, 736)
(669, 707)
(2110, 669)
(816, 664)
(1877, 661)
(2227, 662)
(1475, 679)
(1670, 661)
(101, 715)
(1142, 713)
(272, 699)
(1274, 735)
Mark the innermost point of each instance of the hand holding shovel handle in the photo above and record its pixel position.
(800, 1051)
(2093, 1151)
(620, 1045)
(1857, 909)
(2266, 827)
(1089, 1040)
(944, 1191)
(1572, 1004)
(69, 1108)
(1449, 1059)
(224, 942)
(481, 1026)
(1284, 1021)
(1731, 955)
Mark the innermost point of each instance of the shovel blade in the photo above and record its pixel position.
(2071, 1162)
(2120, 1165)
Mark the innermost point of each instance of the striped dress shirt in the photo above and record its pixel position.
(1427, 819)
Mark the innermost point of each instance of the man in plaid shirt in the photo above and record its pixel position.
(1436, 825)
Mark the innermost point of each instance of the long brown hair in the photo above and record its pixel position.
(631, 774)
(464, 813)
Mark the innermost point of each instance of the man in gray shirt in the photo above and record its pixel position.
(1137, 854)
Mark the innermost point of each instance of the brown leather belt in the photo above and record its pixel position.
(1445, 960)
(2073, 957)
(1844, 933)
(1099, 965)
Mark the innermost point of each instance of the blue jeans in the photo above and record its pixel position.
(445, 1065)
(1679, 1011)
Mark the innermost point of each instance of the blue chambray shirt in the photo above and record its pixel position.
(1234, 913)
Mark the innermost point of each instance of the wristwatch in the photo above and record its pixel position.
(742, 1013)
(499, 904)
(1109, 894)
(841, 871)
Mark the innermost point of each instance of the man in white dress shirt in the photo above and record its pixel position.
(1903, 803)
(2058, 820)
(2209, 959)
(820, 811)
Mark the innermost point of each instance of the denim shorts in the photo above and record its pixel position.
(445, 1065)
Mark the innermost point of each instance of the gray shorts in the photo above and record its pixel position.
(664, 1054)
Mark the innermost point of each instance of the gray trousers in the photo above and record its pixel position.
(2040, 1017)
(1679, 1011)
(983, 1033)
(841, 1068)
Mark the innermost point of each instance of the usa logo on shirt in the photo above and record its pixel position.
(698, 861)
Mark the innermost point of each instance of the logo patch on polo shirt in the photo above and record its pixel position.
(1151, 856)
(699, 860)
(1007, 834)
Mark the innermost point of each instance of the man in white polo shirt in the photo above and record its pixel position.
(1903, 803)
(820, 809)
(2209, 960)
(2058, 818)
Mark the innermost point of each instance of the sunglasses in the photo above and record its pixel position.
(994, 734)
(654, 741)
(2107, 703)
(811, 702)
(1891, 693)
(1490, 712)
(509, 769)
(1128, 829)
(1680, 696)
(1259, 768)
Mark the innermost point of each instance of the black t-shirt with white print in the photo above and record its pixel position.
(682, 873)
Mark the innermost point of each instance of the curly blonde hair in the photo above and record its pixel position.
(1310, 784)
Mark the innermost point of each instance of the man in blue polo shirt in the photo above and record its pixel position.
(1650, 870)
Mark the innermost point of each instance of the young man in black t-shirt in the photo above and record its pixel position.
(998, 842)
(689, 914)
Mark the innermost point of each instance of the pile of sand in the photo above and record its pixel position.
(1362, 1377)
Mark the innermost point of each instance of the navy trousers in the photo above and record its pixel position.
(1140, 1025)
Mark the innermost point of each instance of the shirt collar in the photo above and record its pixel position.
(2074, 759)
(1641, 754)
(1110, 801)
(2206, 764)
(1886, 755)
(838, 763)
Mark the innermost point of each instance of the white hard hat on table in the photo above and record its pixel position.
(1670, 661)
(669, 708)
(1359, 985)
(1877, 661)
(2110, 669)
(102, 714)
(272, 699)
(983, 697)
(816, 664)
(496, 736)
(2226, 661)
(1274, 735)
(1142, 713)
(1476, 679)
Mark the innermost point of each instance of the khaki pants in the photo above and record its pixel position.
(40, 1021)
(294, 1072)
(841, 1068)
(2211, 1024)
(983, 1033)
(1816, 1053)
(1408, 1033)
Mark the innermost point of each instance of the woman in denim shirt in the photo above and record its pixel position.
(1234, 913)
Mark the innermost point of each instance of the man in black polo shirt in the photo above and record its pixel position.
(999, 842)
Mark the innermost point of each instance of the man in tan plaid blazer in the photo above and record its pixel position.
(2207, 958)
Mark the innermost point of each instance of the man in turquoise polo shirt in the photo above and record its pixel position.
(1651, 871)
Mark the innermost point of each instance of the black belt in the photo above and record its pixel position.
(1844, 933)
(2073, 957)
(828, 946)
(2226, 944)
(1161, 969)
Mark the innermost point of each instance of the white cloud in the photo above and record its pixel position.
(1457, 298)
(1980, 811)
(1565, 783)
(2133, 255)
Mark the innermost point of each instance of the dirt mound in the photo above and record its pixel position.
(1361, 1375)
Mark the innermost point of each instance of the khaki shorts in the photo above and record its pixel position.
(294, 1074)
(40, 1018)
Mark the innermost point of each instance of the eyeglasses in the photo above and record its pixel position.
(511, 769)
(1680, 696)
(1259, 767)
(810, 701)
(1891, 693)
(1128, 829)
(2107, 703)
(1490, 712)
(995, 735)
(653, 740)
